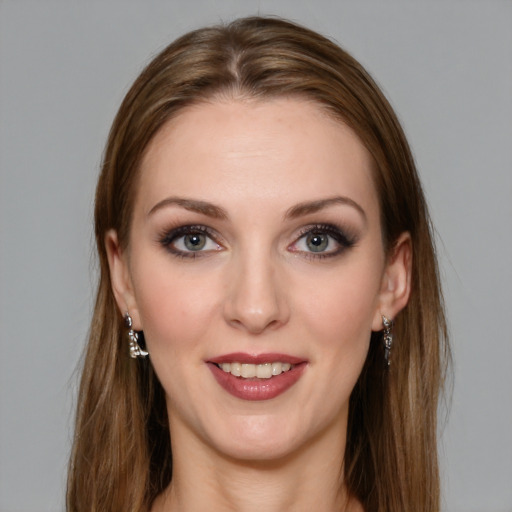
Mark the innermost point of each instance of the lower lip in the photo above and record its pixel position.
(257, 389)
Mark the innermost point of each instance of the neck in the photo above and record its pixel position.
(309, 479)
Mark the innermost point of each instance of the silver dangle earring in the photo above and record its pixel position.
(387, 337)
(135, 349)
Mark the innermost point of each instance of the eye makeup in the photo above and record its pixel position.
(190, 241)
(313, 241)
(318, 241)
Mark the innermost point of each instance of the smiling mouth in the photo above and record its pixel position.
(256, 377)
(255, 371)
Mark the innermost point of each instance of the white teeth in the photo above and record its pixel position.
(248, 371)
(264, 371)
(261, 371)
(277, 368)
(236, 369)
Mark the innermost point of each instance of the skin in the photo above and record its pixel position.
(257, 287)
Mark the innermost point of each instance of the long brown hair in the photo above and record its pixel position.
(121, 457)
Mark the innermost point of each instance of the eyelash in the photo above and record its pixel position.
(344, 240)
(340, 236)
(168, 238)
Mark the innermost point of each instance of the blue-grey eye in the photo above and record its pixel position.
(322, 241)
(195, 241)
(190, 240)
(317, 242)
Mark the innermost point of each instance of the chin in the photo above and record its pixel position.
(260, 451)
(262, 439)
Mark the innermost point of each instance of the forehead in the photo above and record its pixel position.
(287, 150)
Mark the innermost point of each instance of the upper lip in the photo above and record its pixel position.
(244, 358)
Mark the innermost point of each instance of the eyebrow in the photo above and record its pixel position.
(216, 212)
(309, 207)
(193, 205)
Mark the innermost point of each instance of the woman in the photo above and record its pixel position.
(263, 235)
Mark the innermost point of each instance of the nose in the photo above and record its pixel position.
(256, 299)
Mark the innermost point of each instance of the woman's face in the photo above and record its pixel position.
(256, 270)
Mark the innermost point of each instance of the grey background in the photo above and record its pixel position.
(64, 67)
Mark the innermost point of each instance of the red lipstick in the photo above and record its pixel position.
(255, 389)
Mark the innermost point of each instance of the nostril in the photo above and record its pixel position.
(257, 321)
(255, 301)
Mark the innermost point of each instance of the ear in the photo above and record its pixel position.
(120, 279)
(396, 281)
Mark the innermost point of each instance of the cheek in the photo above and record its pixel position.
(175, 313)
(338, 313)
(343, 302)
(174, 307)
